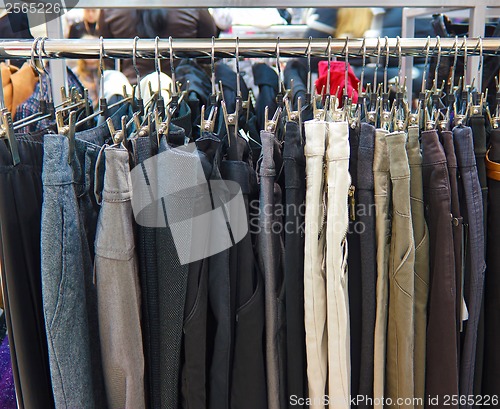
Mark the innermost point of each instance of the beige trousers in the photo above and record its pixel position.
(421, 238)
(339, 181)
(315, 304)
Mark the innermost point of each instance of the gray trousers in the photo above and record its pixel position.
(118, 289)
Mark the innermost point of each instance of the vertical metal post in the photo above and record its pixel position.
(477, 23)
(57, 67)
(408, 31)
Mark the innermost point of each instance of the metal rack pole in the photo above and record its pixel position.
(202, 48)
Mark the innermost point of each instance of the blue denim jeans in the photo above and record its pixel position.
(63, 281)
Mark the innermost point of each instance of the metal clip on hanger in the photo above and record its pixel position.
(208, 125)
(328, 74)
(68, 131)
(295, 116)
(270, 125)
(7, 128)
(119, 136)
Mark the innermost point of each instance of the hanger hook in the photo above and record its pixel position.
(480, 65)
(172, 67)
(212, 66)
(386, 62)
(400, 57)
(33, 49)
(278, 65)
(308, 52)
(426, 63)
(363, 49)
(329, 65)
(101, 63)
(157, 64)
(438, 62)
(41, 52)
(134, 63)
(237, 51)
(346, 68)
(455, 58)
(465, 58)
(376, 66)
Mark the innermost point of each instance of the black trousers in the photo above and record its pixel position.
(148, 274)
(354, 268)
(457, 221)
(491, 370)
(442, 356)
(365, 225)
(248, 377)
(295, 192)
(20, 218)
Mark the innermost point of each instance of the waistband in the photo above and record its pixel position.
(338, 141)
(464, 146)
(117, 175)
(432, 150)
(381, 158)
(315, 138)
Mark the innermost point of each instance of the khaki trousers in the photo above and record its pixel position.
(421, 238)
(315, 304)
(339, 181)
(400, 324)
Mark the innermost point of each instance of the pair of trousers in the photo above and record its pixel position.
(365, 214)
(118, 288)
(477, 124)
(354, 265)
(382, 189)
(491, 372)
(65, 270)
(441, 358)
(248, 377)
(148, 274)
(400, 323)
(476, 266)
(172, 287)
(421, 270)
(269, 252)
(457, 222)
(338, 183)
(20, 215)
(295, 190)
(70, 213)
(315, 303)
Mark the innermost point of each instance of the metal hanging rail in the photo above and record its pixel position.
(181, 48)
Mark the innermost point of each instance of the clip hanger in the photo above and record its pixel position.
(270, 125)
(208, 125)
(68, 131)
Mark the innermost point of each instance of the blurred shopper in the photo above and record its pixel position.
(89, 25)
(178, 23)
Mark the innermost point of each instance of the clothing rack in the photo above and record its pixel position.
(225, 48)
